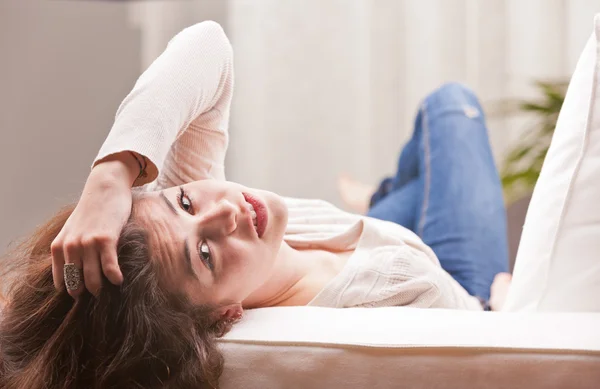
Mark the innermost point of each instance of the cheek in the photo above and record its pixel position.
(248, 258)
(276, 204)
(247, 265)
(278, 214)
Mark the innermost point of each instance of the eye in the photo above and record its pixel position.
(205, 255)
(185, 202)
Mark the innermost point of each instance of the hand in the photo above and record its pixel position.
(89, 237)
(499, 290)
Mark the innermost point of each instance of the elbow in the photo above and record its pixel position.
(210, 33)
(430, 296)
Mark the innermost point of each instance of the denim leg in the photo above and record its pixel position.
(400, 205)
(397, 198)
(462, 215)
(408, 168)
(408, 163)
(455, 201)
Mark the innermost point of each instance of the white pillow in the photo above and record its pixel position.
(558, 262)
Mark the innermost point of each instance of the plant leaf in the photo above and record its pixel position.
(523, 163)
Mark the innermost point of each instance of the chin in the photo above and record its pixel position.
(278, 213)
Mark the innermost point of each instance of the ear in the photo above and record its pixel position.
(232, 312)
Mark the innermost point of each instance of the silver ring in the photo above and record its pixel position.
(73, 276)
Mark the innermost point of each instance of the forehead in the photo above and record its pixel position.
(165, 232)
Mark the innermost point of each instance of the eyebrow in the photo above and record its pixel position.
(188, 260)
(186, 246)
(169, 203)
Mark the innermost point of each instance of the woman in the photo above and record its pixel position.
(171, 267)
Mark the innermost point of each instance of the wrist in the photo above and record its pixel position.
(120, 167)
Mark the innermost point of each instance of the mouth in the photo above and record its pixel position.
(258, 211)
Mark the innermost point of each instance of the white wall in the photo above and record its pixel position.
(325, 86)
(333, 85)
(64, 68)
(302, 103)
(322, 86)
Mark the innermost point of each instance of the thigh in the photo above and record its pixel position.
(462, 215)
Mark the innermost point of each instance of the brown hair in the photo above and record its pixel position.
(137, 335)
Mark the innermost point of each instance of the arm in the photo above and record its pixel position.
(89, 237)
(188, 87)
(122, 167)
(178, 110)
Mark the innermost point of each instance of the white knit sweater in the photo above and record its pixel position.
(177, 116)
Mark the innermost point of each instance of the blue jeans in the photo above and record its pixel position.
(448, 192)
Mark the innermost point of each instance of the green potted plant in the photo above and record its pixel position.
(523, 164)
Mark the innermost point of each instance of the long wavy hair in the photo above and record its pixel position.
(137, 335)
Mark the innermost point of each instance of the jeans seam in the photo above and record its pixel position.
(427, 177)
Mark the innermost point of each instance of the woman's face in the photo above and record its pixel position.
(215, 240)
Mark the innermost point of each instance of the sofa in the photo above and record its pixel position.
(547, 336)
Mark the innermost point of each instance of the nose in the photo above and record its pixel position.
(219, 220)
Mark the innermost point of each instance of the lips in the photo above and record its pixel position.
(261, 213)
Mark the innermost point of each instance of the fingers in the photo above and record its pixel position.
(73, 254)
(58, 261)
(92, 258)
(92, 272)
(110, 264)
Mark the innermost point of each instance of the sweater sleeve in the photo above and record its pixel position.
(178, 111)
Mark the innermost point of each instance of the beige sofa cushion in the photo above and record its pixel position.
(311, 347)
(558, 269)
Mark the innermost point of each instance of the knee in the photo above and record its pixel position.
(454, 91)
(455, 95)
